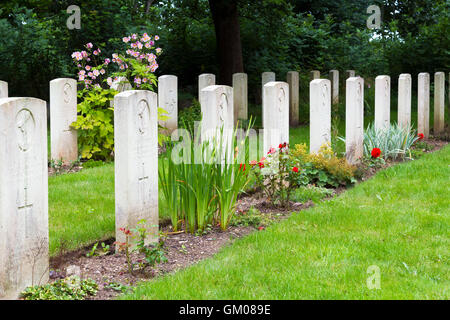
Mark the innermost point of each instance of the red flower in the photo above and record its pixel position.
(421, 136)
(280, 146)
(253, 163)
(272, 150)
(240, 167)
(261, 164)
(295, 169)
(376, 153)
(261, 228)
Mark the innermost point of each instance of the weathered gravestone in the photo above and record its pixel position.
(121, 85)
(136, 161)
(205, 80)
(168, 100)
(3, 89)
(315, 74)
(217, 118)
(240, 96)
(266, 77)
(293, 81)
(404, 100)
(354, 119)
(423, 104)
(439, 102)
(320, 114)
(23, 195)
(334, 78)
(276, 115)
(350, 73)
(382, 102)
(63, 112)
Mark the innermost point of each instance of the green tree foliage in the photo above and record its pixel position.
(277, 35)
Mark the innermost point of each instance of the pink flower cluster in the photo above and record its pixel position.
(89, 67)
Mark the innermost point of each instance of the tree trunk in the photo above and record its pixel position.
(228, 37)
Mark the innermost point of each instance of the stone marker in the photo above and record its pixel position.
(23, 195)
(334, 78)
(423, 104)
(3, 89)
(63, 112)
(276, 114)
(293, 81)
(266, 77)
(205, 80)
(350, 73)
(439, 102)
(121, 84)
(382, 102)
(354, 119)
(404, 100)
(240, 96)
(136, 161)
(315, 74)
(320, 114)
(168, 100)
(217, 109)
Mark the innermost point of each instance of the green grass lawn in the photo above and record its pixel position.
(398, 221)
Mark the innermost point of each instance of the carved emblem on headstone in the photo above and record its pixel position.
(281, 98)
(223, 107)
(67, 92)
(25, 128)
(143, 116)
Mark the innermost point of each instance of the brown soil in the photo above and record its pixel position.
(182, 249)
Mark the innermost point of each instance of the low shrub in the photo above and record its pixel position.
(70, 288)
(323, 169)
(394, 142)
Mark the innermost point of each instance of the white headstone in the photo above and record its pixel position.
(423, 104)
(240, 96)
(293, 81)
(168, 100)
(3, 89)
(23, 195)
(320, 114)
(354, 119)
(382, 102)
(439, 102)
(276, 114)
(350, 73)
(136, 161)
(266, 77)
(63, 112)
(334, 77)
(217, 112)
(121, 84)
(315, 74)
(205, 80)
(404, 100)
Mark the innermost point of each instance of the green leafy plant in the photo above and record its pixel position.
(95, 123)
(94, 252)
(153, 253)
(324, 168)
(394, 142)
(70, 288)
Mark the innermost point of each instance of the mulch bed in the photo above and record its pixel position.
(182, 249)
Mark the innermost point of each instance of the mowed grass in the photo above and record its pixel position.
(398, 221)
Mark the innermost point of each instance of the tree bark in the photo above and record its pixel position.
(228, 38)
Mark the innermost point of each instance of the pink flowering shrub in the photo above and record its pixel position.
(95, 121)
